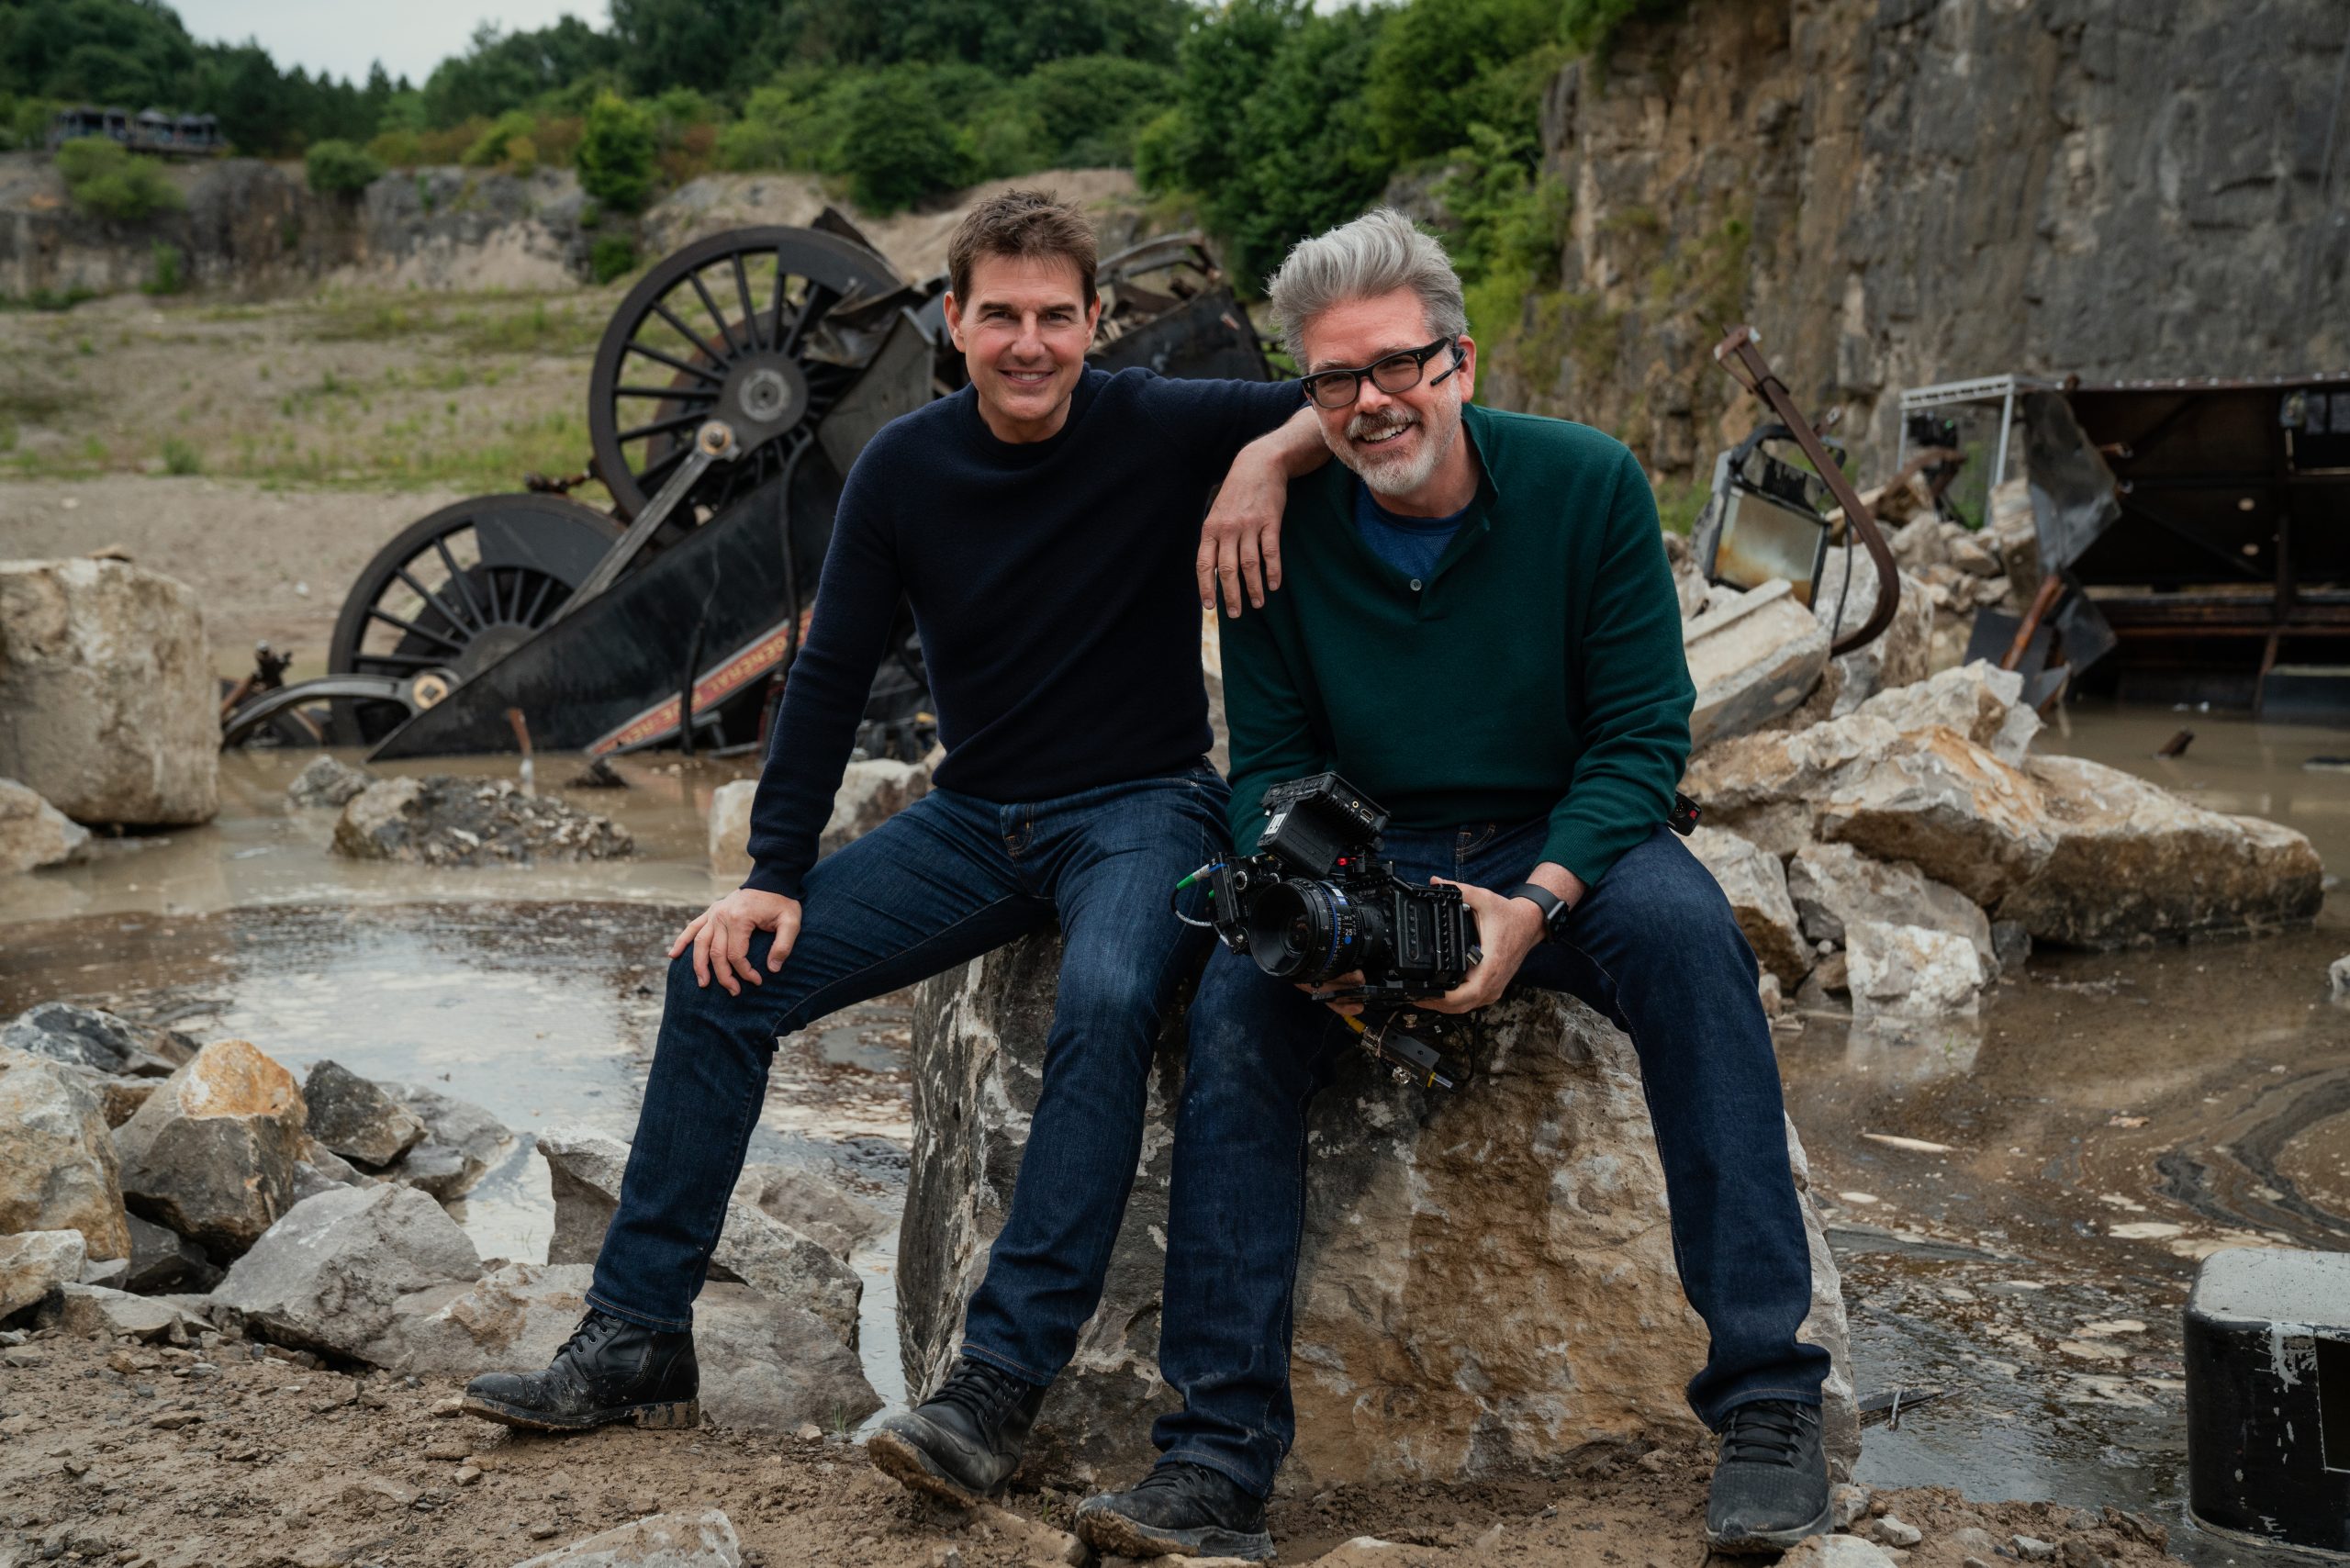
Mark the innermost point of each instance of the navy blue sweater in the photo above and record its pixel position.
(1053, 587)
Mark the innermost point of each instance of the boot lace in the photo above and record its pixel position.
(595, 1327)
(1765, 1432)
(986, 1391)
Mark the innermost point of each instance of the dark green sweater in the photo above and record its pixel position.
(1538, 671)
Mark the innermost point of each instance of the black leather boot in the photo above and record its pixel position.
(1771, 1481)
(1180, 1508)
(964, 1441)
(610, 1370)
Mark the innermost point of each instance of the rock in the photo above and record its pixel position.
(1832, 885)
(870, 793)
(1364, 1552)
(34, 833)
(58, 1166)
(2130, 861)
(2013, 530)
(705, 1539)
(1688, 582)
(87, 1036)
(1979, 701)
(1911, 971)
(782, 1365)
(1975, 1542)
(328, 782)
(444, 820)
(2010, 946)
(356, 1119)
(1835, 1551)
(1428, 1347)
(754, 1249)
(1751, 661)
(108, 691)
(1039, 1542)
(1766, 989)
(463, 1142)
(2031, 1549)
(1756, 887)
(161, 1261)
(1892, 1531)
(1847, 1502)
(1897, 656)
(212, 1154)
(92, 1310)
(35, 1262)
(329, 1275)
(810, 1205)
(120, 1098)
(1948, 806)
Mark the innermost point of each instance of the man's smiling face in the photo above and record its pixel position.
(1023, 332)
(1395, 440)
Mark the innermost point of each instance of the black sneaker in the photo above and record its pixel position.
(1771, 1480)
(964, 1441)
(610, 1370)
(1183, 1509)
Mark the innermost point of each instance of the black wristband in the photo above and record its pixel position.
(1554, 908)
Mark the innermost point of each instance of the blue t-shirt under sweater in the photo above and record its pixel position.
(1412, 545)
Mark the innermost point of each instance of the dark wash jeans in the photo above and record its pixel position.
(945, 880)
(1654, 948)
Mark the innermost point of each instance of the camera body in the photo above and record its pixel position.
(1316, 901)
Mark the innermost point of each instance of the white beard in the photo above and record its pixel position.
(1400, 475)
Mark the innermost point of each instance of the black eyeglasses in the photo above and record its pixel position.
(1396, 373)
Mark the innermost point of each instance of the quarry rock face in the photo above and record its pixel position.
(106, 703)
(213, 1153)
(1486, 1285)
(58, 1170)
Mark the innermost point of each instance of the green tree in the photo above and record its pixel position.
(1091, 107)
(334, 167)
(104, 178)
(1444, 65)
(616, 154)
(899, 141)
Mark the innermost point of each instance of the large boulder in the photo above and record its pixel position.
(2131, 861)
(35, 1262)
(871, 792)
(355, 1118)
(835, 1220)
(1911, 971)
(34, 833)
(1897, 657)
(1834, 885)
(329, 1275)
(162, 1261)
(213, 1153)
(1756, 886)
(444, 820)
(93, 1038)
(57, 1169)
(462, 1142)
(108, 708)
(754, 1248)
(1487, 1282)
(1948, 807)
(1751, 659)
(771, 1365)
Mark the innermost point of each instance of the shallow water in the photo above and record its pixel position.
(2110, 1118)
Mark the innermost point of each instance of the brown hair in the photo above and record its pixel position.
(1020, 224)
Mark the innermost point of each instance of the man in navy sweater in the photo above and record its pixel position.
(1041, 522)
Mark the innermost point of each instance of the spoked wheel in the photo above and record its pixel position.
(733, 327)
(457, 591)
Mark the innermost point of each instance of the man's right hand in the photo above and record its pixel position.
(721, 937)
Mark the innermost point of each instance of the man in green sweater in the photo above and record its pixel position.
(1478, 629)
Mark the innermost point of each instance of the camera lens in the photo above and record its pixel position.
(1297, 930)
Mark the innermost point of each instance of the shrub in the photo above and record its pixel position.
(105, 178)
(791, 123)
(337, 168)
(506, 144)
(898, 145)
(613, 256)
(166, 270)
(398, 148)
(179, 457)
(1090, 107)
(616, 154)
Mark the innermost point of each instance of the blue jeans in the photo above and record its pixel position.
(945, 880)
(1654, 948)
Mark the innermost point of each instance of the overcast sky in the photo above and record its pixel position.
(410, 36)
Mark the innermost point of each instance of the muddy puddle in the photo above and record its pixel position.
(2019, 1204)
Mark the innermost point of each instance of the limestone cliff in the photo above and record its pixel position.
(1906, 191)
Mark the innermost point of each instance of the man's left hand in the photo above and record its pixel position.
(1240, 543)
(1508, 929)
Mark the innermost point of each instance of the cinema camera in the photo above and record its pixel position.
(1316, 902)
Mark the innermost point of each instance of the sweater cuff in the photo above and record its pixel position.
(1585, 849)
(775, 880)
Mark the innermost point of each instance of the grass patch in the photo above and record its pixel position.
(536, 329)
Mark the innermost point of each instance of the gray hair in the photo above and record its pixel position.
(1377, 254)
